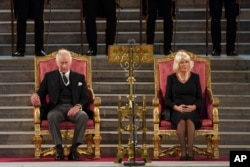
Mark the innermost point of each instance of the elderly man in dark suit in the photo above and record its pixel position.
(24, 10)
(68, 95)
(231, 13)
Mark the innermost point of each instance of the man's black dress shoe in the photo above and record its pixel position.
(18, 54)
(73, 156)
(91, 52)
(59, 154)
(232, 53)
(59, 157)
(215, 52)
(41, 53)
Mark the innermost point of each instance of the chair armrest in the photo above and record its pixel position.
(215, 113)
(36, 114)
(156, 113)
(216, 102)
(97, 103)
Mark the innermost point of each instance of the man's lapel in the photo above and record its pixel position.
(56, 80)
(73, 83)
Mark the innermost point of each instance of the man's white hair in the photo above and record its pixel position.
(63, 52)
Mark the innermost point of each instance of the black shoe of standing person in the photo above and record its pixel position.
(59, 154)
(92, 51)
(216, 52)
(232, 53)
(18, 54)
(41, 53)
(168, 52)
(73, 154)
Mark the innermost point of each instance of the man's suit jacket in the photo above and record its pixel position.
(50, 86)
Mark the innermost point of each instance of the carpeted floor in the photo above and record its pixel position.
(104, 159)
(110, 162)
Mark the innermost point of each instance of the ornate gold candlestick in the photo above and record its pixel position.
(131, 57)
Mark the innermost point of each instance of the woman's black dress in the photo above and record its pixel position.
(188, 93)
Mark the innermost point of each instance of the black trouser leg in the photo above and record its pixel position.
(90, 20)
(38, 7)
(231, 12)
(216, 12)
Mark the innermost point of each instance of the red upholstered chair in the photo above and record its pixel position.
(81, 64)
(208, 111)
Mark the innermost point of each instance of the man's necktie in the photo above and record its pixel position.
(65, 79)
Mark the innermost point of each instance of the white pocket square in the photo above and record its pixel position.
(79, 83)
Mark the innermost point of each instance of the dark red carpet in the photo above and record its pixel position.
(104, 159)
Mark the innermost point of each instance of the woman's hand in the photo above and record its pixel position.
(185, 108)
(188, 108)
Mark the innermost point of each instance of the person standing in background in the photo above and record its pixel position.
(231, 13)
(24, 10)
(103, 8)
(164, 9)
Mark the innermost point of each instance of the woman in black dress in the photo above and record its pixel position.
(183, 98)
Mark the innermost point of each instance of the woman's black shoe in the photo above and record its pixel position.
(183, 158)
(189, 158)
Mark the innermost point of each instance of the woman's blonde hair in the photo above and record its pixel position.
(178, 57)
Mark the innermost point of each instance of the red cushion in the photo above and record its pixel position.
(66, 125)
(206, 124)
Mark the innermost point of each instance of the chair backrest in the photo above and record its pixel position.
(80, 64)
(163, 68)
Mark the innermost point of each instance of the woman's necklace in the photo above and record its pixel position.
(183, 80)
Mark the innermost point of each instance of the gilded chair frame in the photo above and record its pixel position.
(92, 134)
(210, 132)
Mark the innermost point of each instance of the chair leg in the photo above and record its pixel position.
(157, 144)
(209, 144)
(216, 140)
(37, 139)
(89, 141)
(97, 140)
